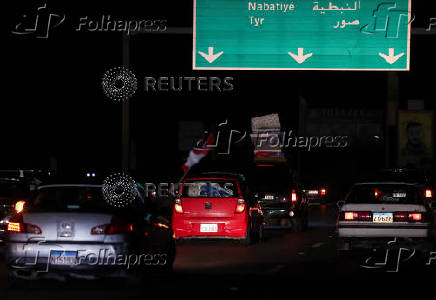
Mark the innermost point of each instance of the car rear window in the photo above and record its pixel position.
(210, 189)
(270, 176)
(386, 194)
(69, 199)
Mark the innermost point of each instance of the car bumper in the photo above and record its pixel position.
(346, 244)
(412, 231)
(230, 228)
(96, 259)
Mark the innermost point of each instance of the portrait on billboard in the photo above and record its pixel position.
(415, 138)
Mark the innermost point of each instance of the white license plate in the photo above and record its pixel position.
(399, 195)
(269, 197)
(382, 218)
(313, 192)
(63, 258)
(208, 227)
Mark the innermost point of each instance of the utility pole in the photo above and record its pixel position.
(392, 100)
(125, 132)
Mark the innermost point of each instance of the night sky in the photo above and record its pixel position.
(53, 105)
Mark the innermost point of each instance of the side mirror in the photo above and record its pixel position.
(340, 203)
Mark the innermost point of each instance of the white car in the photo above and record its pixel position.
(65, 229)
(374, 214)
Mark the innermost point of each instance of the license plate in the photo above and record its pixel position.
(313, 192)
(63, 257)
(399, 195)
(382, 218)
(208, 227)
(269, 197)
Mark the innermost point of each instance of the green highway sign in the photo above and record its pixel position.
(302, 35)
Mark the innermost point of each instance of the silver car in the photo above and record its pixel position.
(373, 214)
(67, 230)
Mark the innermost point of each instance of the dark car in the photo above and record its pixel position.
(279, 196)
(12, 190)
(70, 225)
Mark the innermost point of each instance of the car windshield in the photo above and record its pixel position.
(270, 176)
(11, 191)
(210, 189)
(384, 194)
(69, 199)
(409, 176)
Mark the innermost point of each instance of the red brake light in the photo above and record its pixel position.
(376, 193)
(178, 206)
(428, 193)
(117, 226)
(14, 227)
(240, 207)
(403, 216)
(294, 197)
(16, 224)
(323, 192)
(415, 217)
(19, 206)
(356, 216)
(349, 216)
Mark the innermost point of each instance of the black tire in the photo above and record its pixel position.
(297, 225)
(248, 238)
(306, 221)
(15, 282)
(261, 235)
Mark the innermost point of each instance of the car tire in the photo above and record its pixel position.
(261, 235)
(248, 238)
(306, 222)
(15, 282)
(297, 225)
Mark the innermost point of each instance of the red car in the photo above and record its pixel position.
(216, 206)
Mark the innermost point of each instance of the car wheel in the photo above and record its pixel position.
(248, 239)
(297, 225)
(306, 222)
(261, 235)
(15, 282)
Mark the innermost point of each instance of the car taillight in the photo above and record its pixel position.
(16, 224)
(117, 226)
(178, 206)
(377, 193)
(356, 216)
(415, 217)
(294, 197)
(407, 217)
(19, 206)
(428, 193)
(240, 207)
(323, 192)
(14, 227)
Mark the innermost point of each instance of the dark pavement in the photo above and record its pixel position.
(284, 265)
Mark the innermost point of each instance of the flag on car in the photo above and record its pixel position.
(200, 151)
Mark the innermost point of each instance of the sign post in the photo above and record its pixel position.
(302, 35)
